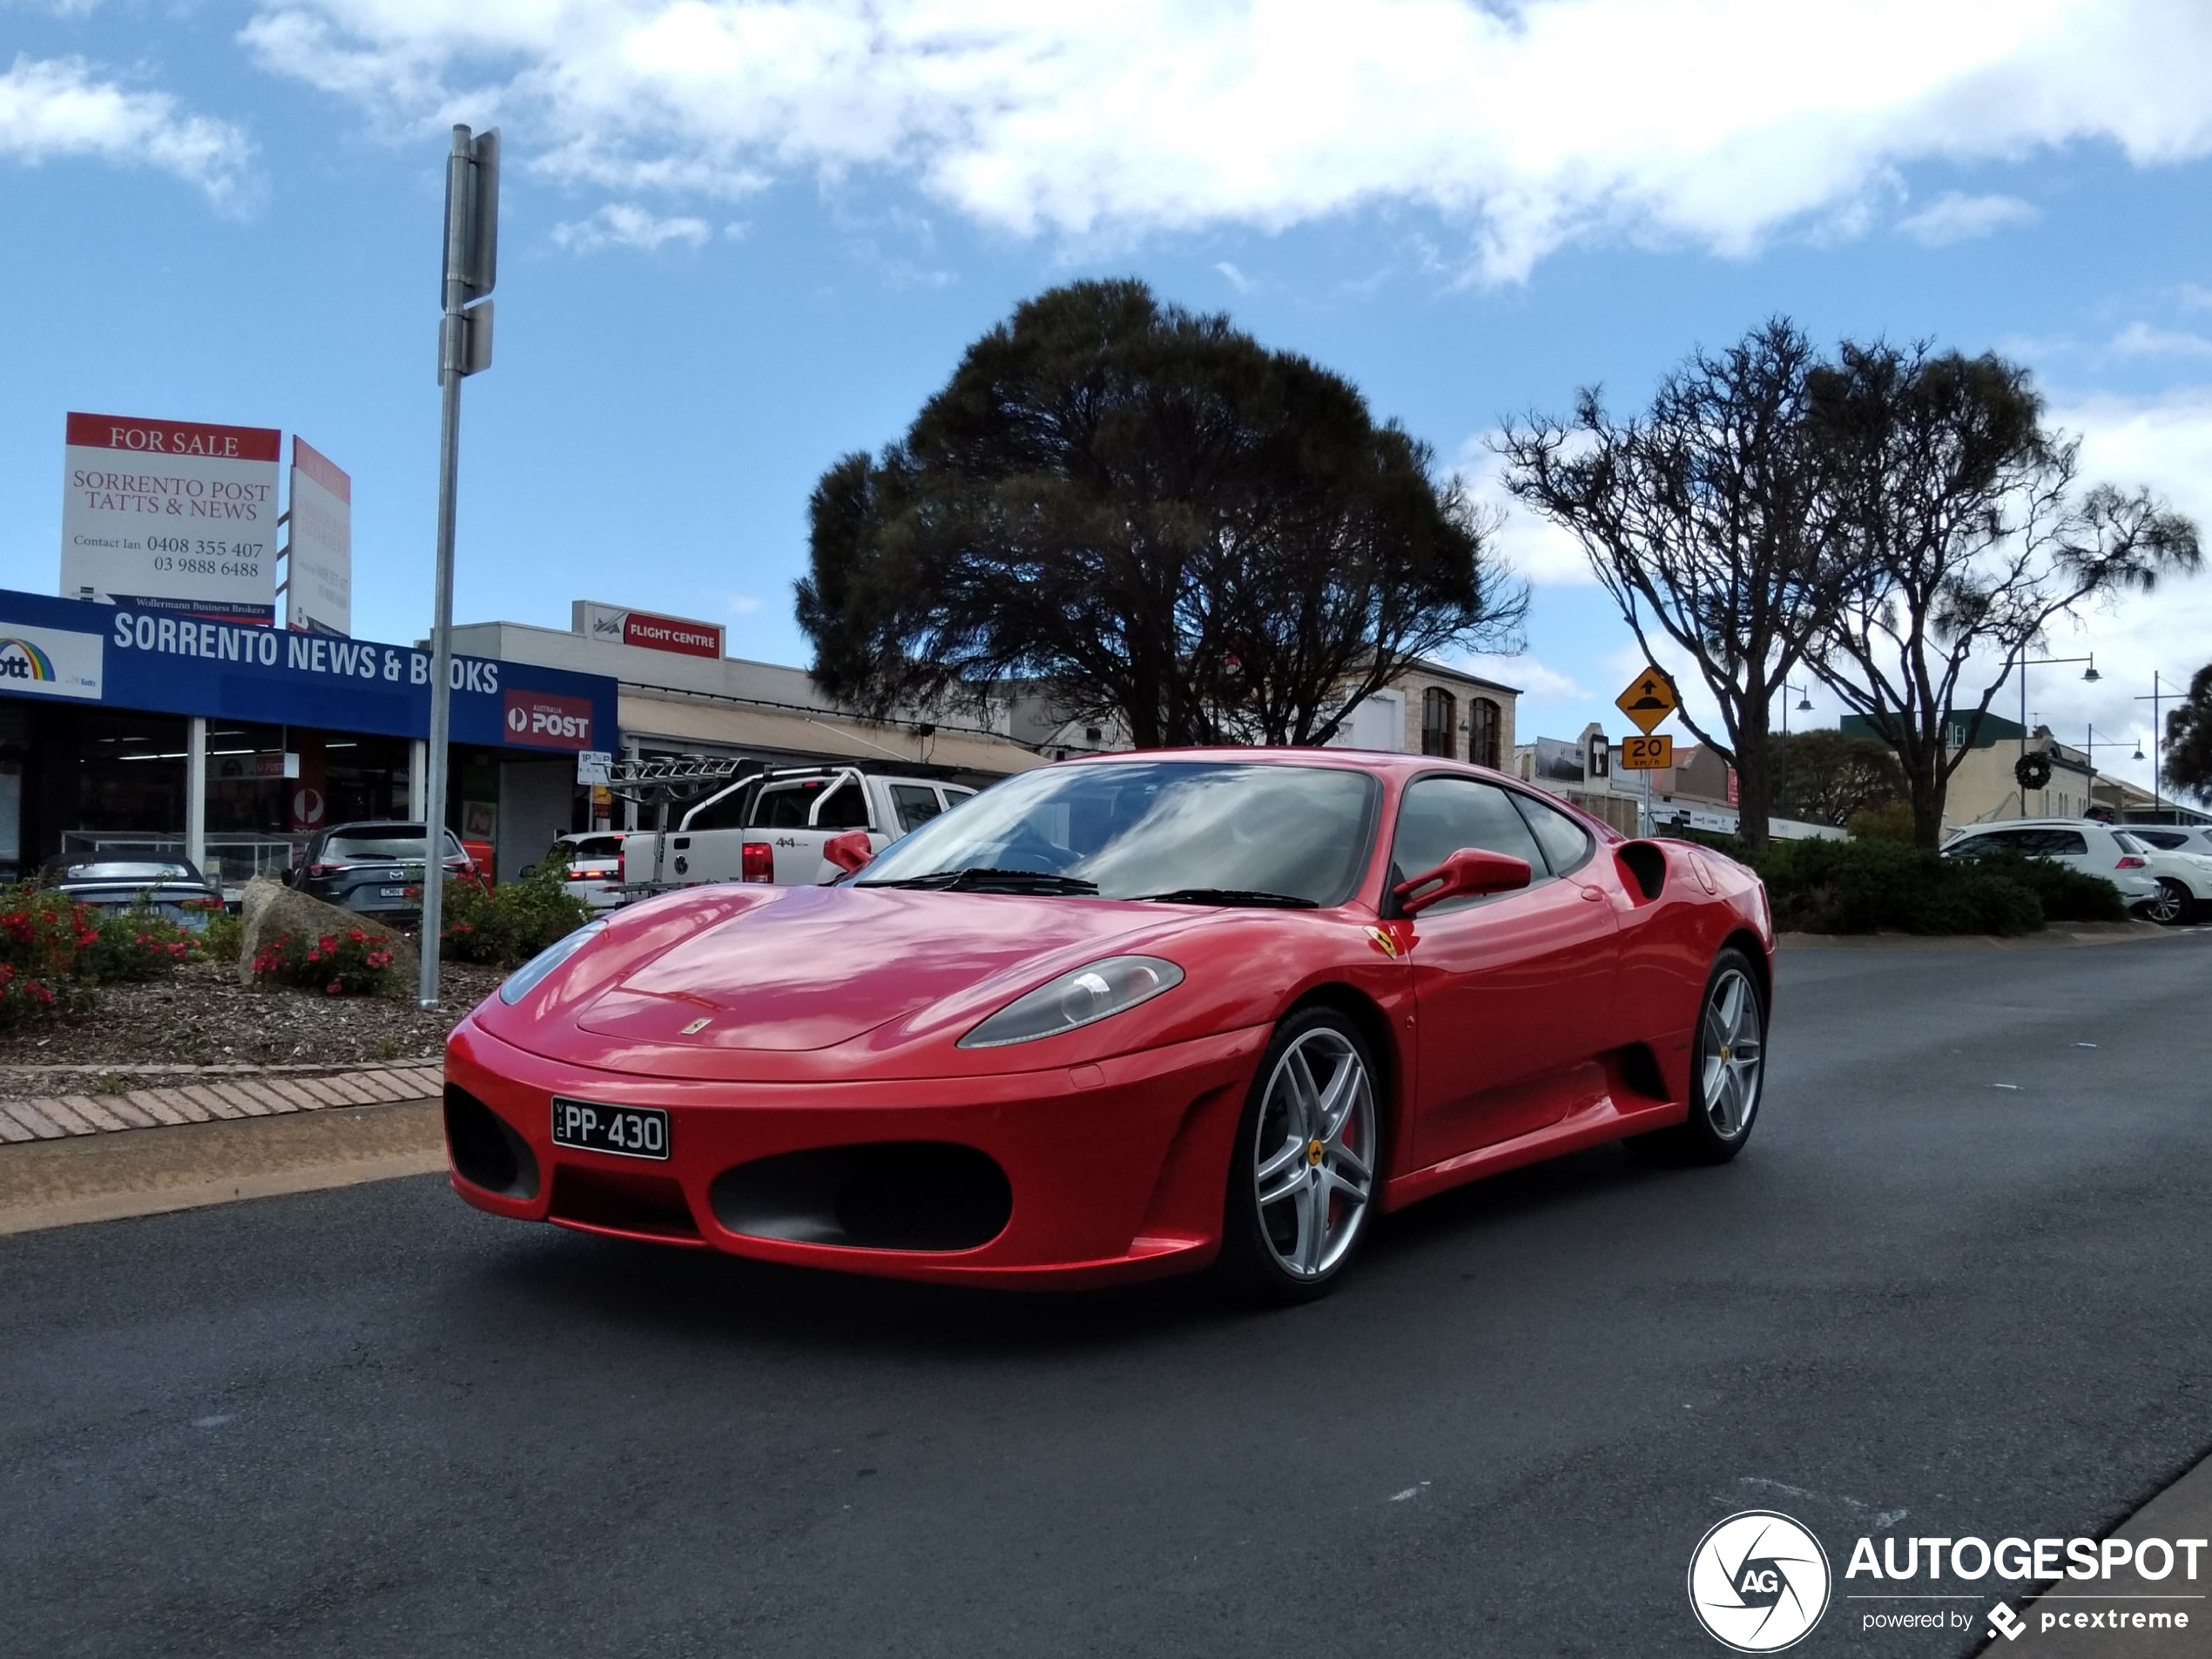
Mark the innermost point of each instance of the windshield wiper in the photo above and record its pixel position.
(1229, 896)
(977, 877)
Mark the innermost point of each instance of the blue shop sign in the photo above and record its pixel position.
(118, 657)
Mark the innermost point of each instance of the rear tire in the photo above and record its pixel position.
(2173, 905)
(1726, 1082)
(1306, 1168)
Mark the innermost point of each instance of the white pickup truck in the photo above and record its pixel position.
(772, 826)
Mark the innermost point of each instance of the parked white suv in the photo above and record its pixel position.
(2080, 844)
(2180, 857)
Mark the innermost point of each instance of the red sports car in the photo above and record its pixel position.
(1126, 1016)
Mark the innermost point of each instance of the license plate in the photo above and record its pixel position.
(628, 1131)
(391, 892)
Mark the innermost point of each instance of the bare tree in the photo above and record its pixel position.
(1701, 520)
(1955, 513)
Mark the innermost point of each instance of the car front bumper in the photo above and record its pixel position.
(1118, 1171)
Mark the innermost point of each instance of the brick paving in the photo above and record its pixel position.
(210, 1095)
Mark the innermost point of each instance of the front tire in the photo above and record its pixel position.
(1307, 1157)
(1727, 1068)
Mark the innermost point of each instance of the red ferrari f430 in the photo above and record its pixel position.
(1126, 1016)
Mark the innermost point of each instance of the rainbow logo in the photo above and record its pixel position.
(41, 666)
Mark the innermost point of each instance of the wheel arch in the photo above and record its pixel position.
(1749, 943)
(1374, 1024)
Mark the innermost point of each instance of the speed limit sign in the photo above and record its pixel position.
(1647, 754)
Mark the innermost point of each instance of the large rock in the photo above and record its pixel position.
(268, 910)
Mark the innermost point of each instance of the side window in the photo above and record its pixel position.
(725, 811)
(1975, 846)
(2052, 843)
(914, 805)
(955, 795)
(1566, 844)
(781, 808)
(1440, 815)
(844, 807)
(2167, 840)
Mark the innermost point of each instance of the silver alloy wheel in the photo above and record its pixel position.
(1313, 1153)
(1735, 1051)
(2172, 901)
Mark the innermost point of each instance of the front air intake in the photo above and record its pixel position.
(485, 1149)
(886, 1195)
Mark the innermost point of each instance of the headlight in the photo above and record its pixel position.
(1080, 997)
(531, 974)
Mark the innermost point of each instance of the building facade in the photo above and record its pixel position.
(232, 743)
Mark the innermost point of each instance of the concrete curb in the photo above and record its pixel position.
(212, 1094)
(2061, 937)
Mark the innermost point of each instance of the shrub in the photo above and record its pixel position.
(352, 963)
(223, 937)
(42, 931)
(2065, 894)
(1829, 887)
(507, 925)
(132, 945)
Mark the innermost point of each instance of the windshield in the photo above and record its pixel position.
(381, 841)
(1137, 829)
(121, 872)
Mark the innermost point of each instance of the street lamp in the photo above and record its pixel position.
(2157, 696)
(2089, 674)
(2092, 743)
(1804, 706)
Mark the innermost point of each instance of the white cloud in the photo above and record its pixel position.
(1955, 217)
(54, 108)
(742, 604)
(2140, 340)
(2193, 297)
(627, 225)
(1531, 126)
(1234, 277)
(1536, 548)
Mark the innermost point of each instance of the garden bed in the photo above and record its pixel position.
(200, 1016)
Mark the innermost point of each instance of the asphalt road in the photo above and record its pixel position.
(372, 1421)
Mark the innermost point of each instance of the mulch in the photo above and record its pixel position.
(201, 1016)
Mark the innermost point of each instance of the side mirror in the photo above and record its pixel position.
(1468, 873)
(849, 851)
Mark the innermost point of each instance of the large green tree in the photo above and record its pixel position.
(2188, 738)
(1824, 776)
(1956, 516)
(1158, 519)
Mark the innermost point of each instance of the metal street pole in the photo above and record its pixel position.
(2025, 663)
(2157, 737)
(464, 347)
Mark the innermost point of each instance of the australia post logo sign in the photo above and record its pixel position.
(547, 721)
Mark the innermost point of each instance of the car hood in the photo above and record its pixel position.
(812, 967)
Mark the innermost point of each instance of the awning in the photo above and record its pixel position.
(786, 732)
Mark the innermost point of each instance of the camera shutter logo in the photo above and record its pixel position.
(1758, 1581)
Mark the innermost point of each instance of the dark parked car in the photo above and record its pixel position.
(373, 868)
(173, 889)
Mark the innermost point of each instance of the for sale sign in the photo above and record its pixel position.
(170, 516)
(318, 590)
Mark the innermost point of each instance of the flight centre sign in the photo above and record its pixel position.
(170, 516)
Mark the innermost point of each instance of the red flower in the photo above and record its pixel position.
(332, 988)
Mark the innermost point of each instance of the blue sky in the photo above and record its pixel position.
(742, 239)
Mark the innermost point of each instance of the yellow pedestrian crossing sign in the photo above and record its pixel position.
(1649, 700)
